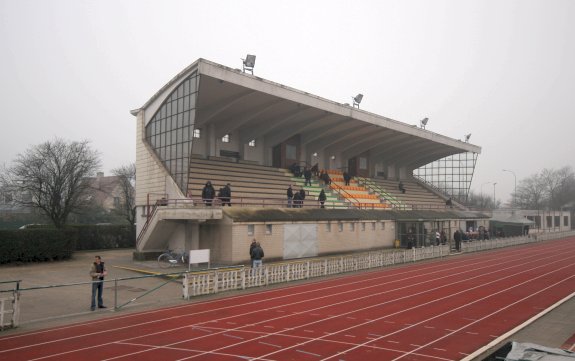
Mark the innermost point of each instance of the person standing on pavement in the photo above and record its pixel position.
(257, 254)
(97, 272)
(457, 238)
(252, 246)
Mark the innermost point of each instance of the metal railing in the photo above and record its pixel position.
(208, 282)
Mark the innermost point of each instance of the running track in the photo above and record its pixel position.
(436, 310)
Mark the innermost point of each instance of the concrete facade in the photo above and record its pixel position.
(269, 124)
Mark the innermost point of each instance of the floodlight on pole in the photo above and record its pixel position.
(423, 122)
(248, 63)
(467, 136)
(356, 100)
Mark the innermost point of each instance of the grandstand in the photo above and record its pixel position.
(218, 124)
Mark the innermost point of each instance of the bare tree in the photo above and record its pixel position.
(549, 189)
(127, 177)
(531, 193)
(50, 177)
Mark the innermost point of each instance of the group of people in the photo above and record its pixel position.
(224, 194)
(295, 199)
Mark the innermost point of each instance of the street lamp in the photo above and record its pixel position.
(494, 184)
(515, 178)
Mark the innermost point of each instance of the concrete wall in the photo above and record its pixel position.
(374, 235)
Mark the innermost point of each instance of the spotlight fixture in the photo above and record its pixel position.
(356, 100)
(467, 136)
(423, 122)
(248, 63)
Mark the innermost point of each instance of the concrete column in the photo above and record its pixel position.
(192, 235)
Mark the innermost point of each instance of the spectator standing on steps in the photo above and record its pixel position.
(290, 197)
(227, 195)
(302, 197)
(97, 272)
(321, 198)
(307, 176)
(208, 193)
(346, 178)
(401, 187)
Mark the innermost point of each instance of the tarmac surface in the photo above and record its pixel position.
(58, 293)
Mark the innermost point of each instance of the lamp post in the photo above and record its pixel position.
(494, 204)
(515, 190)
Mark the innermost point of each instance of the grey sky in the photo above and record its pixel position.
(501, 70)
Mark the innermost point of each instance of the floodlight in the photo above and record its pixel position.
(467, 136)
(424, 122)
(357, 99)
(248, 63)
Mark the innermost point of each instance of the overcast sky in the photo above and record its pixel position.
(503, 71)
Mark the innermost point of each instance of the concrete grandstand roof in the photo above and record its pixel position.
(258, 108)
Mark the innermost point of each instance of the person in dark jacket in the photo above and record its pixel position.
(346, 178)
(257, 253)
(290, 197)
(457, 239)
(97, 272)
(297, 200)
(321, 198)
(315, 170)
(226, 195)
(302, 197)
(307, 176)
(401, 187)
(252, 246)
(208, 193)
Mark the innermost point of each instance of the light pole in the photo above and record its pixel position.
(515, 190)
(494, 204)
(482, 192)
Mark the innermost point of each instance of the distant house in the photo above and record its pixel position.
(106, 192)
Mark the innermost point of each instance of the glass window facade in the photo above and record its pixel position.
(170, 131)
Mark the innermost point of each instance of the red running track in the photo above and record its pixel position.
(436, 310)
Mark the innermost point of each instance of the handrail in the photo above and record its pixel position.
(382, 192)
(347, 195)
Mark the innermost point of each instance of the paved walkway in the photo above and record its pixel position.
(45, 302)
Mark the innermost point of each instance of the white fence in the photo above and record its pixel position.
(9, 309)
(221, 280)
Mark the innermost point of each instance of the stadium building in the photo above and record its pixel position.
(227, 126)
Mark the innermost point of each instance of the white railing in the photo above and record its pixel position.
(10, 306)
(221, 280)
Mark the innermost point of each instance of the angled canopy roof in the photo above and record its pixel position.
(261, 109)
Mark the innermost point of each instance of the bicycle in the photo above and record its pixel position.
(170, 259)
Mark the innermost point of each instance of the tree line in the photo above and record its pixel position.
(53, 178)
(551, 189)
